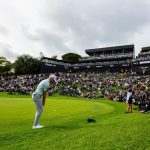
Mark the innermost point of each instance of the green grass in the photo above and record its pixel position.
(66, 128)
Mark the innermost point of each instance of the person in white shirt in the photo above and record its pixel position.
(129, 101)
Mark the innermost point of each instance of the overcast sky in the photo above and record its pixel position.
(56, 27)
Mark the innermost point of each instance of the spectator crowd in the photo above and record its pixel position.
(114, 86)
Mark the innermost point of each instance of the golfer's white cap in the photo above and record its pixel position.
(53, 77)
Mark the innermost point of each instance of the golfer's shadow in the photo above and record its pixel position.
(65, 127)
(71, 127)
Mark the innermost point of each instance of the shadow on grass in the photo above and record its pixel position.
(63, 127)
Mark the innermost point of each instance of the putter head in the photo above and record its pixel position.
(91, 120)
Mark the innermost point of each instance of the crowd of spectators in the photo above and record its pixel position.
(86, 85)
(23, 84)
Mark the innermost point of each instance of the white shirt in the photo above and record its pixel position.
(128, 96)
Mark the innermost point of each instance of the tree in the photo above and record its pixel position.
(25, 64)
(71, 57)
(54, 57)
(41, 55)
(5, 65)
(13, 65)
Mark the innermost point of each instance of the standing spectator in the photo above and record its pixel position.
(129, 101)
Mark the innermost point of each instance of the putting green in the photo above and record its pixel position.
(22, 110)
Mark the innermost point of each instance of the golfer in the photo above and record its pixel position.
(39, 98)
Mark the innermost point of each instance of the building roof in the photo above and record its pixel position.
(110, 48)
(145, 49)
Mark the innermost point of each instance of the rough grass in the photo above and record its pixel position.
(66, 128)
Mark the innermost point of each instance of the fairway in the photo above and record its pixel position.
(66, 127)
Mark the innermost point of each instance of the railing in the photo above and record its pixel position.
(101, 63)
(142, 58)
(54, 63)
(144, 53)
(97, 57)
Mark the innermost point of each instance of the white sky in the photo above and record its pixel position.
(56, 27)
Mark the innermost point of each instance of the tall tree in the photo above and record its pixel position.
(54, 57)
(25, 64)
(5, 65)
(71, 57)
(41, 55)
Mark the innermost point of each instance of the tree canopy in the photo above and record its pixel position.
(54, 57)
(25, 64)
(71, 57)
(5, 65)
